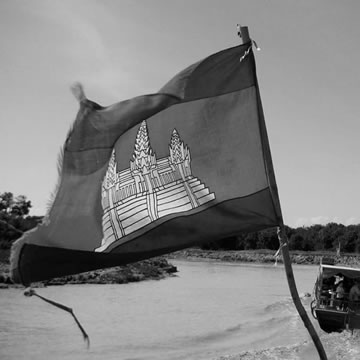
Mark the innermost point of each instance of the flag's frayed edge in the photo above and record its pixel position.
(16, 248)
(15, 254)
(78, 91)
(14, 259)
(53, 194)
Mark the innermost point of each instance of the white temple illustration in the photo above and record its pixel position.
(149, 189)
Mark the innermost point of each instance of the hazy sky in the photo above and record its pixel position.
(308, 70)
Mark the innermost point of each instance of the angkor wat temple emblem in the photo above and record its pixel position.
(149, 189)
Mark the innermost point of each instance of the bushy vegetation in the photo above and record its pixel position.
(14, 218)
(328, 237)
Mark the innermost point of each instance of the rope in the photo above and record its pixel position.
(282, 241)
(246, 53)
(278, 252)
(31, 292)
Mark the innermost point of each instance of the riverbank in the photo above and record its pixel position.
(263, 256)
(152, 269)
(161, 267)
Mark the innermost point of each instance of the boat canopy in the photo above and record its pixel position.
(328, 271)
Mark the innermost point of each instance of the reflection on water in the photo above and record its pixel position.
(209, 310)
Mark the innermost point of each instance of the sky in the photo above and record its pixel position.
(308, 72)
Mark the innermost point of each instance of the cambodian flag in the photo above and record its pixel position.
(158, 173)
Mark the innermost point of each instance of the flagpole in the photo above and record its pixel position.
(243, 32)
(284, 245)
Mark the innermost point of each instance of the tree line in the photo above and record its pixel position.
(329, 237)
(15, 219)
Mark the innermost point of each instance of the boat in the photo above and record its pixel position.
(334, 304)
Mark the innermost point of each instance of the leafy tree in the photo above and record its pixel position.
(350, 240)
(268, 239)
(240, 242)
(251, 240)
(313, 239)
(10, 207)
(296, 241)
(13, 219)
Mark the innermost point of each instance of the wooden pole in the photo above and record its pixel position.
(243, 32)
(295, 295)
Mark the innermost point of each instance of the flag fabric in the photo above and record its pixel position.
(158, 173)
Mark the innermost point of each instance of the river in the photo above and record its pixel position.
(209, 310)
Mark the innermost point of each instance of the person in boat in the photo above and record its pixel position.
(340, 294)
(338, 278)
(354, 294)
(340, 291)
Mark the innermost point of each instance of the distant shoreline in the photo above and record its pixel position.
(263, 256)
(161, 267)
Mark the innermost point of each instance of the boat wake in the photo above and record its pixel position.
(338, 346)
(262, 329)
(275, 332)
